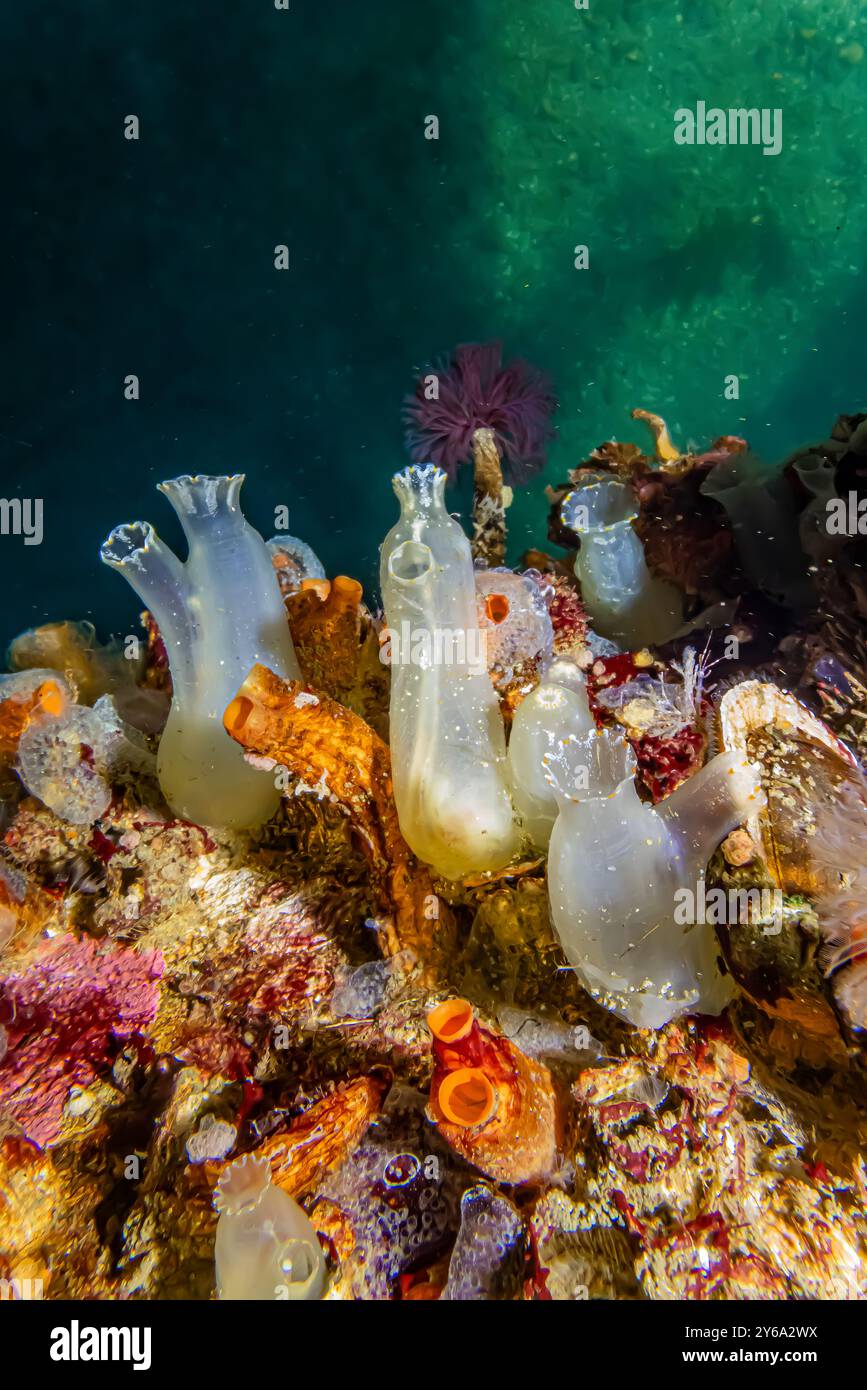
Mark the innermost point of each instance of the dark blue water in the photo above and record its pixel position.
(261, 127)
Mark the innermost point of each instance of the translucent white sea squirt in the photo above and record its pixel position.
(556, 709)
(219, 613)
(266, 1246)
(625, 601)
(615, 865)
(448, 750)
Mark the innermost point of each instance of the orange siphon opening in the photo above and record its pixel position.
(466, 1097)
(496, 608)
(346, 589)
(237, 714)
(451, 1021)
(51, 698)
(322, 587)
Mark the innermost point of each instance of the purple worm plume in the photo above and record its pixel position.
(476, 391)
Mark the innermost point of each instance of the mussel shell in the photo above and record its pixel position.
(803, 767)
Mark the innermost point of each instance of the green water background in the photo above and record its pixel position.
(306, 127)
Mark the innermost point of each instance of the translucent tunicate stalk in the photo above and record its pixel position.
(219, 614)
(616, 868)
(448, 751)
(557, 709)
(625, 601)
(266, 1246)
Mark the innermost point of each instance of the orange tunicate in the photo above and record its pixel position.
(322, 587)
(451, 1021)
(496, 608)
(466, 1097)
(51, 698)
(237, 714)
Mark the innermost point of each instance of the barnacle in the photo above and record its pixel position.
(514, 621)
(24, 697)
(804, 768)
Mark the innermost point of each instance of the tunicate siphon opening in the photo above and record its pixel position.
(299, 1262)
(451, 1021)
(410, 561)
(51, 698)
(600, 502)
(496, 608)
(237, 714)
(466, 1097)
(126, 542)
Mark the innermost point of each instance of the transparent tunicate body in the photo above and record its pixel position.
(615, 868)
(624, 600)
(266, 1247)
(448, 752)
(557, 709)
(219, 613)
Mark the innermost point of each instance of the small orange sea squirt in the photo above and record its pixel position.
(496, 1107)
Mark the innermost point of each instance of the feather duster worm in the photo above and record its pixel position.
(496, 1107)
(477, 393)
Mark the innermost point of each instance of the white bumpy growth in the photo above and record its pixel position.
(218, 614)
(448, 749)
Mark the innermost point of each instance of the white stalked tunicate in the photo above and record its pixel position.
(448, 750)
(218, 614)
(625, 601)
(266, 1246)
(557, 709)
(616, 870)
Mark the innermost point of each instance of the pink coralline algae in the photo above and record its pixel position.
(63, 1014)
(475, 391)
(568, 618)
